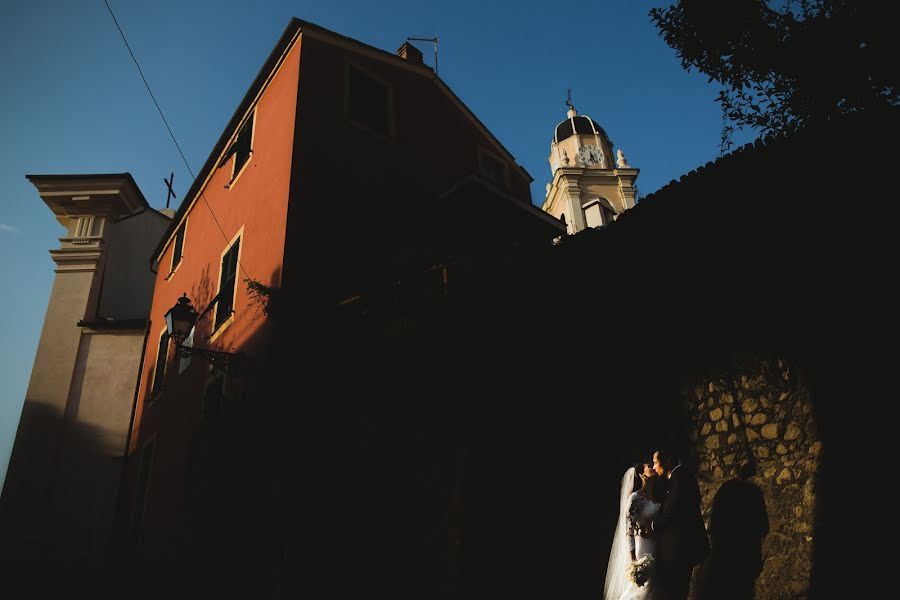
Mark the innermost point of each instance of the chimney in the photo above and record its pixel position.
(410, 53)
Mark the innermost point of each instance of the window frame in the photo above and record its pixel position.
(484, 153)
(182, 231)
(236, 171)
(390, 134)
(223, 325)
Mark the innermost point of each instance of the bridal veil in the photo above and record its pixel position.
(619, 554)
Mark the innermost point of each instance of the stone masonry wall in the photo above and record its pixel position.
(757, 451)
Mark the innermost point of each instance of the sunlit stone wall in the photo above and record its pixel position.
(757, 448)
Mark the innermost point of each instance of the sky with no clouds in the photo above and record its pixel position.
(71, 101)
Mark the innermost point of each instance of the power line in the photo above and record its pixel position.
(171, 134)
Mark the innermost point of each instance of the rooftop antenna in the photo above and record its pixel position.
(433, 40)
(170, 193)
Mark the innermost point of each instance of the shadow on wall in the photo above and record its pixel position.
(738, 525)
(57, 509)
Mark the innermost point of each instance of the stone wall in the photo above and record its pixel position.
(757, 449)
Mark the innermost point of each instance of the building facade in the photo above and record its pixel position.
(344, 169)
(58, 504)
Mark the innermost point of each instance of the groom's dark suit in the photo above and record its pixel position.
(682, 536)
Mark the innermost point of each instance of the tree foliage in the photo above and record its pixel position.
(784, 63)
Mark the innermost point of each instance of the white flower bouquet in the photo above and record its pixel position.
(640, 570)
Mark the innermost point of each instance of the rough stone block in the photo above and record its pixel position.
(715, 414)
(770, 431)
(758, 419)
(722, 426)
(792, 433)
(707, 427)
(784, 476)
(749, 405)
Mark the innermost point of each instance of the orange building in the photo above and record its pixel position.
(343, 166)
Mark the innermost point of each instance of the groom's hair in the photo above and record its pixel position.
(667, 457)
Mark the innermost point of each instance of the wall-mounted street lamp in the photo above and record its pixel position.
(180, 321)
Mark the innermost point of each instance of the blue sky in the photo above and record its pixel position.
(72, 102)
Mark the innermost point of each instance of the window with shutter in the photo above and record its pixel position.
(179, 246)
(227, 278)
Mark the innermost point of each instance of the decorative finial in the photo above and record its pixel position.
(571, 112)
(620, 160)
(565, 158)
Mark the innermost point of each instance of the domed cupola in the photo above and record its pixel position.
(575, 123)
(589, 188)
(580, 142)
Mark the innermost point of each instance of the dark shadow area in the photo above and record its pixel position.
(738, 525)
(562, 366)
(467, 440)
(56, 512)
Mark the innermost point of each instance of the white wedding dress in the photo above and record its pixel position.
(635, 514)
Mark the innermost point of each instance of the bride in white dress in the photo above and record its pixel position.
(633, 539)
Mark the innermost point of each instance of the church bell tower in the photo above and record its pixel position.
(589, 188)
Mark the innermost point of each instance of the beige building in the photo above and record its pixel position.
(589, 187)
(59, 500)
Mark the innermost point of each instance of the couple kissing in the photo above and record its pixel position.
(660, 536)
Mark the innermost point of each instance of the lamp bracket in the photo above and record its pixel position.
(227, 362)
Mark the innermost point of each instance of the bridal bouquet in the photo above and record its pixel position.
(639, 571)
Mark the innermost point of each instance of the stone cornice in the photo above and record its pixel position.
(82, 258)
(112, 195)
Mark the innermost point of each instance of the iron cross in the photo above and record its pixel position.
(171, 193)
(569, 99)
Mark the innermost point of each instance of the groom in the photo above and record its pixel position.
(682, 536)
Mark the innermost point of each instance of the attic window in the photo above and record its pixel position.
(242, 147)
(492, 168)
(368, 101)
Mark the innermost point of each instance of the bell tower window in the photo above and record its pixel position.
(88, 227)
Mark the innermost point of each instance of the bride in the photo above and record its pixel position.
(639, 502)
